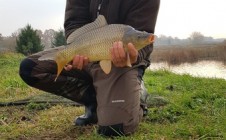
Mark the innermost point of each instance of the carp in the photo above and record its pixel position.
(94, 41)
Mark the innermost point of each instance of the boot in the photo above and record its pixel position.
(88, 99)
(83, 92)
(149, 100)
(89, 118)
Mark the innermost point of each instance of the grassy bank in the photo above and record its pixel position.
(196, 109)
(175, 55)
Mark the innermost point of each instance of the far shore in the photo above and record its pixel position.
(176, 55)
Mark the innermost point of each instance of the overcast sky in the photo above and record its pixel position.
(177, 18)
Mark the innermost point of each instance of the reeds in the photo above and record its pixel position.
(175, 55)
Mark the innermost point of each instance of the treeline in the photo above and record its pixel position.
(50, 38)
(30, 39)
(196, 38)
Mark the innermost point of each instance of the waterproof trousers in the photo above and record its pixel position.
(117, 94)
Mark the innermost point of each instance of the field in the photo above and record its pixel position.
(196, 109)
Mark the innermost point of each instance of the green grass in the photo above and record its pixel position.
(196, 109)
(11, 86)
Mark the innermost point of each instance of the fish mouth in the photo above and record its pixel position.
(151, 38)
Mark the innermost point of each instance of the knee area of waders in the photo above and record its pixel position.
(26, 67)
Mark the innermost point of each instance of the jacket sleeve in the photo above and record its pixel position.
(77, 14)
(142, 16)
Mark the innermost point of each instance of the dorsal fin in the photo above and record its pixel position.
(99, 22)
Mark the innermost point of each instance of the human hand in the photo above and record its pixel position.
(119, 56)
(78, 62)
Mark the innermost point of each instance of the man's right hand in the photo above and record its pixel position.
(78, 62)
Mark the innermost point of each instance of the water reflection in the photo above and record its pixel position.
(210, 69)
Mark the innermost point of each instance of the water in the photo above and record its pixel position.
(209, 69)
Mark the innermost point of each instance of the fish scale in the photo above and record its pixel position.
(102, 39)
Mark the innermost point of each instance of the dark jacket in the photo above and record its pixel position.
(140, 14)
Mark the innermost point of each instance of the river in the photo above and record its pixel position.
(209, 69)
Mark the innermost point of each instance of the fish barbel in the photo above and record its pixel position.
(94, 40)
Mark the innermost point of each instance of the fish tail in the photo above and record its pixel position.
(60, 65)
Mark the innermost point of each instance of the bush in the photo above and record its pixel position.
(28, 41)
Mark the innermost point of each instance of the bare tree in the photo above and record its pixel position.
(197, 38)
(47, 38)
(7, 43)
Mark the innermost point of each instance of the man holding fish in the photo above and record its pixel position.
(109, 45)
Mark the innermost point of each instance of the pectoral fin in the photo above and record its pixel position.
(128, 62)
(105, 66)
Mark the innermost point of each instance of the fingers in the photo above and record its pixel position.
(78, 62)
(118, 54)
(68, 67)
(86, 61)
(133, 53)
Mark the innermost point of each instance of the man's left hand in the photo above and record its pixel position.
(119, 56)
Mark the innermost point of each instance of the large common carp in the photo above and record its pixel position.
(94, 40)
